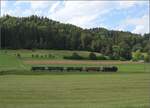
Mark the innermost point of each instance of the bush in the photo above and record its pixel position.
(92, 56)
(101, 57)
(51, 56)
(137, 56)
(134, 59)
(32, 56)
(45, 56)
(74, 56)
(114, 58)
(147, 58)
(18, 55)
(122, 59)
(42, 56)
(33, 50)
(37, 56)
(5, 52)
(107, 57)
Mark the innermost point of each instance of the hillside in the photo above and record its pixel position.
(42, 33)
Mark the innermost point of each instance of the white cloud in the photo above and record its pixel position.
(14, 12)
(18, 2)
(2, 4)
(141, 24)
(54, 7)
(27, 12)
(84, 13)
(35, 7)
(35, 4)
(80, 13)
(83, 21)
(129, 4)
(39, 4)
(42, 7)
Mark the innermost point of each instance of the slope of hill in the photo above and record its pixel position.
(10, 62)
(42, 33)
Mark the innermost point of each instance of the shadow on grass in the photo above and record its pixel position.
(28, 72)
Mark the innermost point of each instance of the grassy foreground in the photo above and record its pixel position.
(75, 91)
(22, 88)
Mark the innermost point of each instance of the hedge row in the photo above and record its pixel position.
(93, 56)
(102, 69)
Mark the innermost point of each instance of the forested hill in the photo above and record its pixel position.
(42, 33)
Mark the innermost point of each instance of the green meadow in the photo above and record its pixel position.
(22, 88)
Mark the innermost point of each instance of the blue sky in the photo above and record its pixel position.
(130, 16)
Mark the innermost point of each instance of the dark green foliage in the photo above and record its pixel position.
(32, 55)
(138, 56)
(92, 56)
(38, 68)
(92, 69)
(42, 33)
(49, 55)
(147, 58)
(42, 56)
(5, 52)
(122, 59)
(116, 51)
(101, 57)
(45, 56)
(74, 56)
(37, 56)
(18, 55)
(57, 69)
(74, 68)
(110, 69)
(113, 57)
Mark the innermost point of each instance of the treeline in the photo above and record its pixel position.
(42, 33)
(91, 56)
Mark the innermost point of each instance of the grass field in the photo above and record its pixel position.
(22, 88)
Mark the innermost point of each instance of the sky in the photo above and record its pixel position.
(130, 16)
